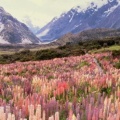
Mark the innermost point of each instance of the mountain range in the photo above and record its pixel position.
(13, 31)
(93, 22)
(78, 19)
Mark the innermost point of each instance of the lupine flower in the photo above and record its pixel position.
(57, 89)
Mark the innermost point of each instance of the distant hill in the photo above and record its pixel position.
(94, 34)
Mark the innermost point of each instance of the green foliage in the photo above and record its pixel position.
(50, 77)
(63, 115)
(117, 65)
(70, 49)
(82, 64)
(70, 95)
(106, 90)
(47, 54)
(106, 58)
(116, 53)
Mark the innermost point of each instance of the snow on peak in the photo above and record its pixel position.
(2, 41)
(95, 4)
(54, 19)
(107, 13)
(1, 26)
(76, 26)
(43, 33)
(60, 16)
(63, 14)
(26, 41)
(113, 1)
(110, 0)
(78, 9)
(71, 16)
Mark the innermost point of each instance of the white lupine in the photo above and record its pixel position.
(13, 117)
(38, 112)
(57, 116)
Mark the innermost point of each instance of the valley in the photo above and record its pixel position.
(67, 68)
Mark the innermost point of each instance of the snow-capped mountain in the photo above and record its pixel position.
(103, 15)
(14, 32)
(28, 22)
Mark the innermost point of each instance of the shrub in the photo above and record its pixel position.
(117, 65)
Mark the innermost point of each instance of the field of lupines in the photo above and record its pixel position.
(73, 88)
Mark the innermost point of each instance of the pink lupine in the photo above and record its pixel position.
(43, 116)
(62, 86)
(28, 83)
(70, 115)
(78, 117)
(89, 112)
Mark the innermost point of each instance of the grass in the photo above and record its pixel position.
(111, 48)
(42, 48)
(6, 52)
(12, 51)
(114, 47)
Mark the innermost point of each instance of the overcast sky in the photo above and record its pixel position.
(40, 11)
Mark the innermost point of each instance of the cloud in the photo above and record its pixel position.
(41, 11)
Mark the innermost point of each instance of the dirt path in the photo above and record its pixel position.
(98, 65)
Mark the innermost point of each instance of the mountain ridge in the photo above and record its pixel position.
(77, 20)
(14, 32)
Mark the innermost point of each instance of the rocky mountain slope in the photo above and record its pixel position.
(14, 32)
(77, 19)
